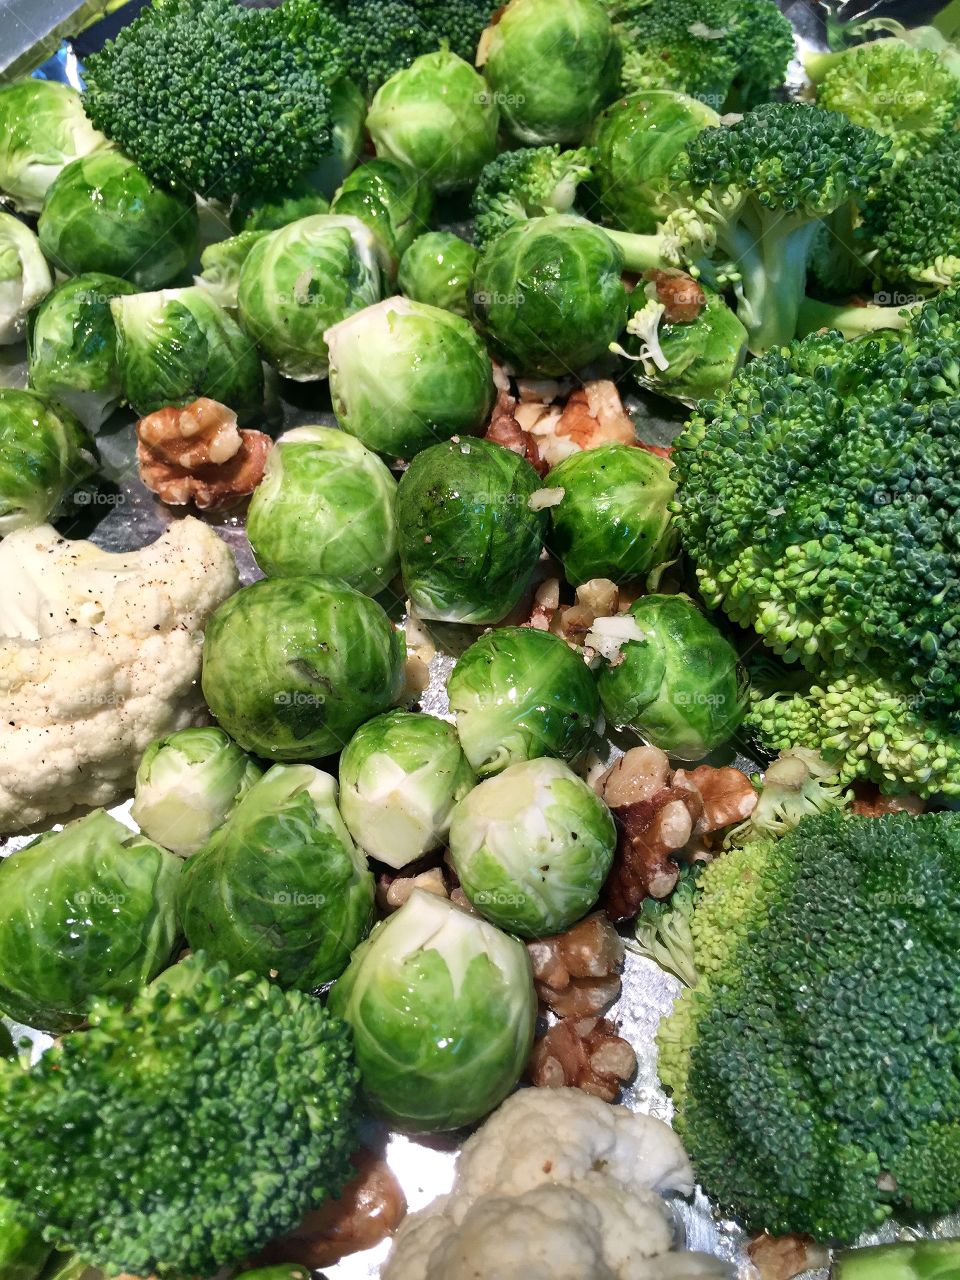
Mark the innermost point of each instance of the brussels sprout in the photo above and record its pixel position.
(404, 376)
(327, 507)
(348, 112)
(549, 294)
(24, 277)
(85, 912)
(678, 683)
(44, 455)
(438, 269)
(637, 141)
(400, 776)
(443, 1011)
(281, 888)
(613, 520)
(391, 199)
(469, 541)
(686, 360)
(551, 66)
(293, 666)
(188, 784)
(437, 117)
(300, 280)
(72, 346)
(532, 847)
(23, 1252)
(220, 265)
(303, 201)
(518, 694)
(43, 127)
(102, 213)
(178, 344)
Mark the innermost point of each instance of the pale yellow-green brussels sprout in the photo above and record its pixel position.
(25, 277)
(43, 127)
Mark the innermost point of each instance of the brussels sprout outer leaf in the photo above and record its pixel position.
(43, 127)
(24, 277)
(391, 199)
(23, 1251)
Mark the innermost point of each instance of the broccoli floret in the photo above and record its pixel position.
(798, 783)
(663, 927)
(724, 52)
(762, 186)
(183, 1133)
(814, 1064)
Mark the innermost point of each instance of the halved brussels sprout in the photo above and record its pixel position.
(613, 520)
(102, 213)
(551, 66)
(404, 376)
(24, 277)
(393, 201)
(401, 774)
(298, 281)
(326, 506)
(293, 666)
(438, 269)
(220, 265)
(44, 455)
(532, 847)
(679, 683)
(549, 294)
(437, 117)
(469, 541)
(89, 911)
(188, 784)
(518, 694)
(638, 139)
(178, 344)
(280, 888)
(72, 346)
(443, 1011)
(43, 127)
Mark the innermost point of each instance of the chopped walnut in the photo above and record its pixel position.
(638, 775)
(868, 801)
(582, 1053)
(597, 598)
(681, 296)
(369, 1208)
(546, 601)
(577, 973)
(783, 1257)
(728, 795)
(648, 832)
(541, 390)
(581, 424)
(393, 893)
(504, 429)
(197, 454)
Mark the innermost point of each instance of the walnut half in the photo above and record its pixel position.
(582, 1053)
(577, 973)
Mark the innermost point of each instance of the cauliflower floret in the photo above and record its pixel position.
(562, 1135)
(99, 655)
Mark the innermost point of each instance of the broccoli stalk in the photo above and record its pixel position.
(916, 1260)
(663, 928)
(853, 320)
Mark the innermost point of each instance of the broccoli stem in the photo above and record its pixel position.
(852, 321)
(816, 65)
(642, 253)
(770, 251)
(922, 1260)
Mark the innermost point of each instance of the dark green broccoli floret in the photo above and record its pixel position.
(182, 1134)
(815, 1064)
(725, 52)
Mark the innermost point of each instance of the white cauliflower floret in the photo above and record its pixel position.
(99, 655)
(562, 1135)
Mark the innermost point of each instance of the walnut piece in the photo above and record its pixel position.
(393, 891)
(504, 429)
(680, 295)
(197, 454)
(871, 803)
(783, 1257)
(728, 795)
(577, 973)
(582, 1053)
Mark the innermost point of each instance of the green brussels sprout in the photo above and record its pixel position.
(89, 911)
(348, 113)
(72, 346)
(281, 888)
(391, 199)
(551, 66)
(437, 117)
(438, 269)
(24, 277)
(401, 774)
(686, 360)
(44, 455)
(549, 294)
(677, 682)
(178, 344)
(637, 140)
(188, 784)
(102, 213)
(298, 281)
(443, 1011)
(404, 375)
(293, 666)
(532, 847)
(326, 506)
(613, 520)
(469, 541)
(43, 127)
(220, 265)
(23, 1252)
(303, 201)
(518, 694)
